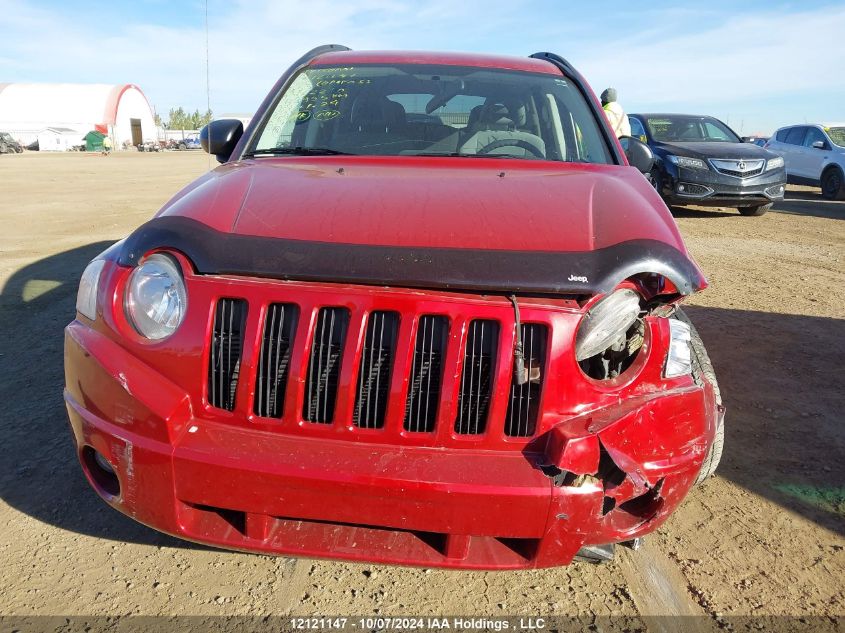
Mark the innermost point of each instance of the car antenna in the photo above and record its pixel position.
(207, 82)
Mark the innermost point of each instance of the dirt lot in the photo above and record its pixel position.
(765, 537)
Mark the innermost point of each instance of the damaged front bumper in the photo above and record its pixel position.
(606, 476)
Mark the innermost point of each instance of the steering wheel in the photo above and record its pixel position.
(508, 142)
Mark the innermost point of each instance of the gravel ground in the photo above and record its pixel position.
(763, 538)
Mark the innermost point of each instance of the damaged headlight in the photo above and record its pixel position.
(156, 300)
(86, 297)
(679, 357)
(606, 323)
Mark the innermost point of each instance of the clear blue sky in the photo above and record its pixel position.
(755, 64)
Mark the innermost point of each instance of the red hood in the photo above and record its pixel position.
(513, 205)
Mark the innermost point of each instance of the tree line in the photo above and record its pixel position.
(178, 119)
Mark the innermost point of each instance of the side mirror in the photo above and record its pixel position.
(639, 154)
(819, 145)
(220, 137)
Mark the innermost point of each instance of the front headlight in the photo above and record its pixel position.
(86, 297)
(606, 323)
(774, 163)
(684, 161)
(156, 300)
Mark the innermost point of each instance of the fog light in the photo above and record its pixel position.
(679, 357)
(681, 187)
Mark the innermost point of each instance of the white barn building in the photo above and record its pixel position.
(121, 111)
(58, 139)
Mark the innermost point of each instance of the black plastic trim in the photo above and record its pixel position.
(535, 272)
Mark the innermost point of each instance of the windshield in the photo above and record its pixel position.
(425, 110)
(837, 135)
(697, 129)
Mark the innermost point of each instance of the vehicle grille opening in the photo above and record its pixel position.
(476, 379)
(225, 354)
(524, 404)
(426, 374)
(374, 370)
(274, 360)
(324, 365)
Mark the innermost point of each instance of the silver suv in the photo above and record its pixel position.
(814, 156)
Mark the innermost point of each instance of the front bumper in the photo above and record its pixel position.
(682, 186)
(607, 476)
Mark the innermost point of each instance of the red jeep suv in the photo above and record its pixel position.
(425, 313)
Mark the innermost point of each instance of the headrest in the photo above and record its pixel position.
(371, 113)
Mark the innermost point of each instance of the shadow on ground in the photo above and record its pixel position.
(810, 203)
(779, 373)
(39, 472)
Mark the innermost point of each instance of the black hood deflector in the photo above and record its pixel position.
(526, 272)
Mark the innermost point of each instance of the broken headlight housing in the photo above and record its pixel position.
(679, 356)
(606, 326)
(156, 300)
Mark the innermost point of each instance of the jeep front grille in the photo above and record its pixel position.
(324, 365)
(402, 367)
(426, 374)
(274, 360)
(524, 403)
(227, 338)
(476, 378)
(374, 370)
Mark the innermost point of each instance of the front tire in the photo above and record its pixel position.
(702, 369)
(757, 210)
(833, 184)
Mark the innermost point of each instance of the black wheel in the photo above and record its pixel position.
(702, 369)
(833, 184)
(759, 209)
(182, 146)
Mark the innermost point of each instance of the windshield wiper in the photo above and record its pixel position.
(296, 151)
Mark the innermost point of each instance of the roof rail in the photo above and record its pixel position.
(556, 59)
(320, 50)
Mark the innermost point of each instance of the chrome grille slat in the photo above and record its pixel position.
(227, 335)
(374, 370)
(274, 360)
(425, 380)
(324, 365)
(476, 377)
(738, 168)
(523, 406)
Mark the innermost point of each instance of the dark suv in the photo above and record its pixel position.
(700, 161)
(424, 312)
